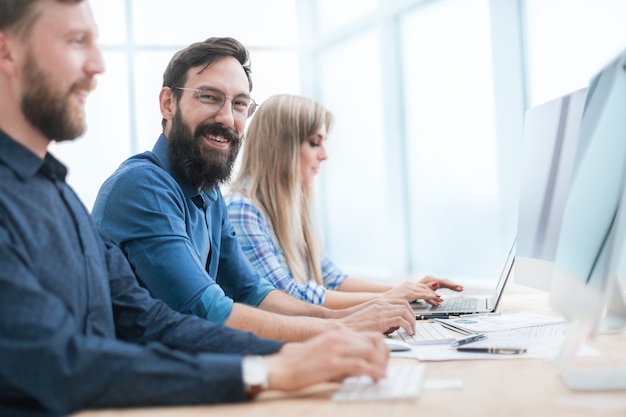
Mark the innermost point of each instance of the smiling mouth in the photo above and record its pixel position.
(218, 139)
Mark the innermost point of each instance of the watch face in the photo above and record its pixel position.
(255, 373)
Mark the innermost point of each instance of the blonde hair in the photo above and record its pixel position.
(270, 177)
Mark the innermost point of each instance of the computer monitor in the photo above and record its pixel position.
(585, 286)
(550, 143)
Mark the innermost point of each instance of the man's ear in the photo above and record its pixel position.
(7, 61)
(167, 102)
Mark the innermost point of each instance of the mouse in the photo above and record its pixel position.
(397, 345)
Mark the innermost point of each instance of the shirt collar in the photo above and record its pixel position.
(25, 163)
(199, 197)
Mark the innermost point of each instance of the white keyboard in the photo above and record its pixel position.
(401, 383)
(426, 333)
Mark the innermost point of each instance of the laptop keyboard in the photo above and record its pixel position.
(401, 382)
(460, 304)
(428, 333)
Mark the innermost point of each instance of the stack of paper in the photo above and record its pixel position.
(541, 336)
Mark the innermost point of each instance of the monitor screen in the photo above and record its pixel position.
(550, 144)
(587, 241)
(590, 243)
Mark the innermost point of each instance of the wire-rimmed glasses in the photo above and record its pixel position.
(214, 100)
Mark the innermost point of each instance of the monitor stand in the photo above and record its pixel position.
(594, 379)
(609, 379)
(615, 319)
(600, 379)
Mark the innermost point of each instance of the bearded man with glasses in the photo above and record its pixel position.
(165, 210)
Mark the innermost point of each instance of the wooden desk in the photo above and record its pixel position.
(502, 387)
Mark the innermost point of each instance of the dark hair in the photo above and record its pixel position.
(19, 16)
(204, 54)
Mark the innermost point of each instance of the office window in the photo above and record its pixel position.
(148, 78)
(252, 22)
(452, 167)
(354, 177)
(111, 18)
(334, 14)
(415, 182)
(569, 41)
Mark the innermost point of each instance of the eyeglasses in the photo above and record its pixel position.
(214, 100)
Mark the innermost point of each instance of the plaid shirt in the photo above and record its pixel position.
(260, 245)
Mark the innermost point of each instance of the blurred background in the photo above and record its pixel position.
(429, 96)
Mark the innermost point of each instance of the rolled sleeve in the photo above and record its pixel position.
(259, 244)
(239, 279)
(332, 275)
(213, 305)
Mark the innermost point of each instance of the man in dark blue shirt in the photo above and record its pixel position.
(76, 329)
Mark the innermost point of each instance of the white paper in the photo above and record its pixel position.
(540, 342)
(498, 322)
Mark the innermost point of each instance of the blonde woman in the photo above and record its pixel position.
(270, 207)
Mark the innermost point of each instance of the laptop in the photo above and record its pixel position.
(462, 305)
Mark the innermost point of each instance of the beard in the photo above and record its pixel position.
(47, 108)
(196, 162)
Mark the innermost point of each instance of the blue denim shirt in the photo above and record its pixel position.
(178, 239)
(76, 330)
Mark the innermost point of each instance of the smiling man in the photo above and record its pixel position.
(165, 210)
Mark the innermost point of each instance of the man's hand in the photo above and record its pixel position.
(331, 356)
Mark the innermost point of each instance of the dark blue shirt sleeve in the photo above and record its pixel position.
(159, 357)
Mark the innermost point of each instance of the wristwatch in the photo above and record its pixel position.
(255, 374)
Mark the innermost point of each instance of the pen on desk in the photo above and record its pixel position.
(470, 339)
(479, 314)
(498, 350)
(453, 327)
